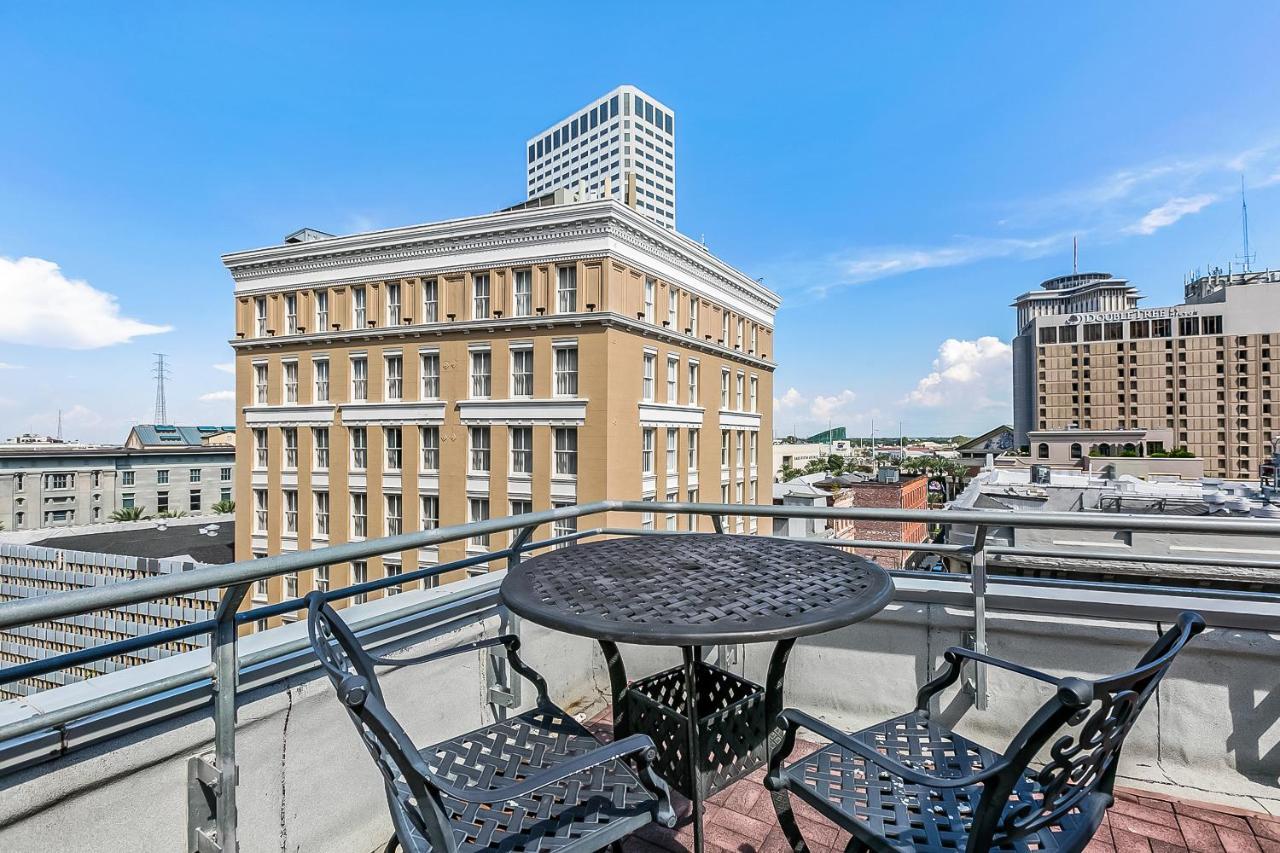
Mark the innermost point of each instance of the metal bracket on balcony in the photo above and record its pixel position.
(203, 783)
(501, 682)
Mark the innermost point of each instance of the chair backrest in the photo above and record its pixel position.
(1090, 720)
(414, 802)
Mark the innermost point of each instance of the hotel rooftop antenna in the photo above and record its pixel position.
(1075, 255)
(1246, 259)
(161, 373)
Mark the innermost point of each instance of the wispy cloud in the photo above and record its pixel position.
(1170, 212)
(217, 396)
(7, 366)
(226, 367)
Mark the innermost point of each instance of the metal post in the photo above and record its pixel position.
(503, 686)
(978, 573)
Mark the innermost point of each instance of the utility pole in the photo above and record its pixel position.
(161, 373)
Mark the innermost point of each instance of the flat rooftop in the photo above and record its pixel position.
(215, 545)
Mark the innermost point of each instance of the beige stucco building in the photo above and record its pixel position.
(472, 368)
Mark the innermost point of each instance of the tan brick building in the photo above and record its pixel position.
(903, 493)
(480, 367)
(1087, 357)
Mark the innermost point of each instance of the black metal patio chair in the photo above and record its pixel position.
(911, 784)
(538, 781)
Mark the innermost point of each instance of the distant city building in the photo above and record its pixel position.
(887, 490)
(152, 436)
(991, 443)
(48, 484)
(1091, 554)
(620, 146)
(474, 368)
(75, 558)
(1086, 356)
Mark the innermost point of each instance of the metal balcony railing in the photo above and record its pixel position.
(974, 590)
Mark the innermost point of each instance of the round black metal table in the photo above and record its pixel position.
(711, 726)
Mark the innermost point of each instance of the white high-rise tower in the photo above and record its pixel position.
(622, 145)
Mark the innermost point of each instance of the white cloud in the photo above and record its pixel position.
(226, 367)
(790, 400)
(967, 375)
(217, 396)
(827, 408)
(81, 416)
(44, 308)
(7, 366)
(1170, 212)
(817, 409)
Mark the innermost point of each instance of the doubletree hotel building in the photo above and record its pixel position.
(558, 353)
(1086, 356)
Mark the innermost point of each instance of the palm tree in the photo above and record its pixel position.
(173, 513)
(224, 507)
(129, 513)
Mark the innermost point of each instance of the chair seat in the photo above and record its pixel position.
(870, 801)
(589, 809)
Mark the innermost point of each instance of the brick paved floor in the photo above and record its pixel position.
(740, 819)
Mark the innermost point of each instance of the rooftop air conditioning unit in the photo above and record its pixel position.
(1040, 475)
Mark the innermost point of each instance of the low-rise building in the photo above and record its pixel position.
(889, 489)
(50, 484)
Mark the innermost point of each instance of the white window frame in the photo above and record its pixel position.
(649, 367)
(565, 368)
(359, 515)
(290, 381)
(430, 301)
(522, 293)
(430, 362)
(393, 518)
(564, 441)
(260, 317)
(359, 307)
(289, 445)
(393, 447)
(521, 356)
(359, 448)
(359, 377)
(650, 288)
(521, 440)
(260, 383)
(321, 298)
(673, 380)
(481, 308)
(320, 513)
(291, 313)
(479, 450)
(320, 448)
(393, 375)
(481, 382)
(566, 289)
(320, 380)
(673, 450)
(395, 312)
(429, 512)
(647, 438)
(429, 438)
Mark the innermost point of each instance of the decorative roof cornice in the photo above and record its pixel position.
(504, 230)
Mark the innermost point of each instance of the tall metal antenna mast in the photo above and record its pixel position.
(1075, 255)
(161, 373)
(1246, 260)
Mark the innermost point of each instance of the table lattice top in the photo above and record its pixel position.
(696, 589)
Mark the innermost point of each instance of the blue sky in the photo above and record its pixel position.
(897, 174)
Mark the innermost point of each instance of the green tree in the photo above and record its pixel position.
(224, 507)
(130, 513)
(786, 474)
(173, 513)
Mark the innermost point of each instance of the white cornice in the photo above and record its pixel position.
(308, 415)
(555, 411)
(668, 415)
(360, 414)
(522, 236)
(739, 420)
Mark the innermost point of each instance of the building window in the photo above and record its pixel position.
(522, 450)
(260, 316)
(754, 388)
(693, 315)
(673, 443)
(1042, 451)
(693, 451)
(392, 569)
(320, 445)
(322, 310)
(522, 293)
(291, 586)
(359, 378)
(724, 448)
(430, 301)
(162, 476)
(290, 441)
(322, 578)
(259, 510)
(673, 380)
(395, 515)
(290, 511)
(260, 448)
(755, 344)
(646, 518)
(521, 372)
(754, 446)
(480, 296)
(430, 437)
(320, 369)
(478, 437)
(321, 500)
(520, 507)
(566, 289)
(478, 510)
(395, 377)
(260, 384)
(430, 512)
(430, 375)
(724, 327)
(126, 501)
(291, 314)
(741, 339)
(393, 304)
(673, 310)
(693, 383)
(1076, 451)
(359, 514)
(291, 381)
(650, 365)
(126, 479)
(224, 474)
(566, 451)
(672, 497)
(481, 379)
(724, 388)
(193, 500)
(359, 575)
(646, 451)
(738, 451)
(563, 526)
(391, 439)
(359, 448)
(566, 369)
(649, 287)
(357, 308)
(739, 396)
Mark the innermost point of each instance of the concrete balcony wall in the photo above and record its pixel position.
(306, 782)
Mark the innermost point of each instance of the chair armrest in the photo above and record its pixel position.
(510, 641)
(950, 673)
(793, 719)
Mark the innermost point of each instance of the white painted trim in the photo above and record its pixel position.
(739, 420)
(664, 414)
(571, 411)
(412, 412)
